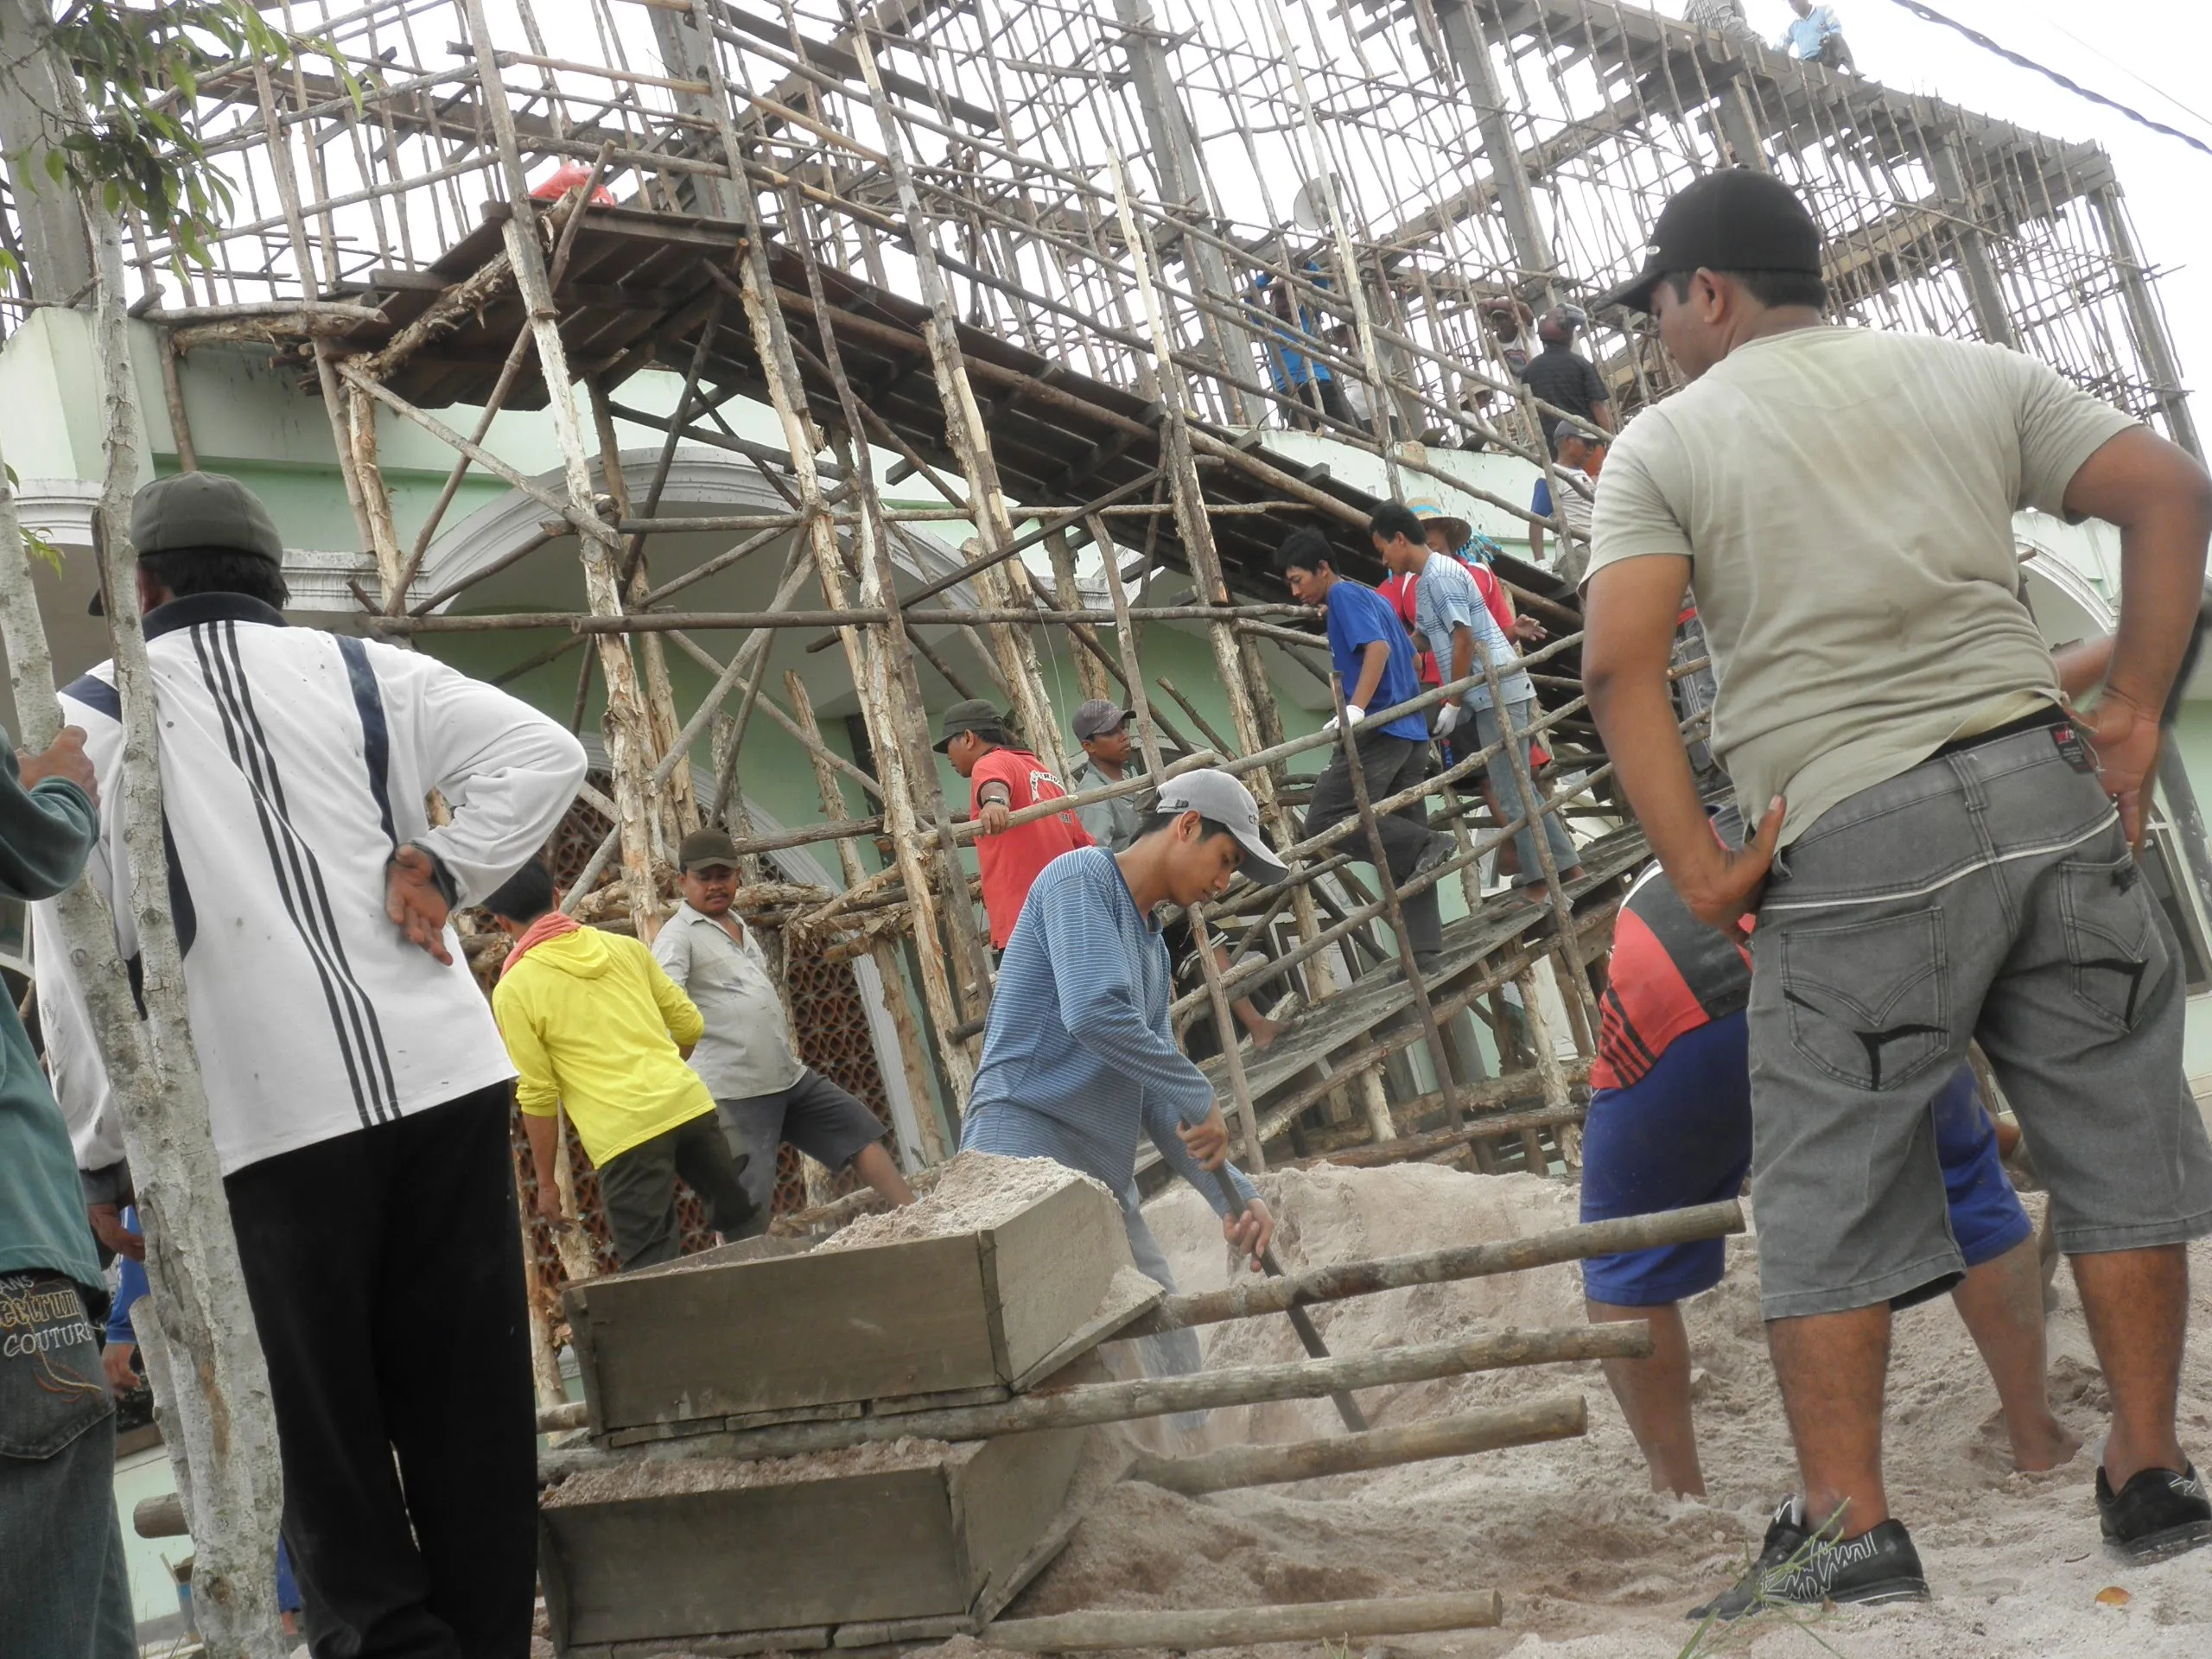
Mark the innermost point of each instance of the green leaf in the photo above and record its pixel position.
(35, 544)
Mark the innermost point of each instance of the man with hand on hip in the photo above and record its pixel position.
(1945, 854)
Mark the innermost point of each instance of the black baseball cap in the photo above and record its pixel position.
(210, 511)
(1097, 717)
(1737, 219)
(970, 714)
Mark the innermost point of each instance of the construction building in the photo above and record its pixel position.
(854, 363)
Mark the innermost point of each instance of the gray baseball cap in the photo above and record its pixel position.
(203, 510)
(1097, 717)
(1218, 795)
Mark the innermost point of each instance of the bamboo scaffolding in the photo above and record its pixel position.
(897, 239)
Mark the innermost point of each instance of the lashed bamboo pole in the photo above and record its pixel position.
(870, 676)
(677, 811)
(200, 1320)
(1084, 1404)
(839, 616)
(1254, 1298)
(881, 952)
(1184, 1629)
(626, 723)
(1394, 909)
(965, 430)
(334, 399)
(1561, 1417)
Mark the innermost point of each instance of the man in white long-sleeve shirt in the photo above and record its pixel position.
(357, 1086)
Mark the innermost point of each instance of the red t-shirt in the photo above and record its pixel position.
(1012, 862)
(1669, 974)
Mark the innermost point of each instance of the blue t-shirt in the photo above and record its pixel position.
(1358, 616)
(1541, 503)
(1806, 33)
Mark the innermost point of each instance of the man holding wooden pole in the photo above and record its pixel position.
(1079, 1058)
(357, 1086)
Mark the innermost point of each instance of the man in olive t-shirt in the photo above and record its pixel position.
(1945, 853)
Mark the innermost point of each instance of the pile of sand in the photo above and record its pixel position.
(979, 1190)
(1592, 1563)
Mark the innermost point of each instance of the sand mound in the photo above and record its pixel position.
(978, 1190)
(1592, 1564)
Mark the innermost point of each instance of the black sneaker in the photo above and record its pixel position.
(1877, 1567)
(1785, 1536)
(2156, 1514)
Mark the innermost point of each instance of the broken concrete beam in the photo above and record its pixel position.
(994, 1272)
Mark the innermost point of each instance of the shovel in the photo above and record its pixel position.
(1347, 1408)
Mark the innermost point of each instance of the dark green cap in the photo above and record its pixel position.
(203, 510)
(973, 714)
(704, 848)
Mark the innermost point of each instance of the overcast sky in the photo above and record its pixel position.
(2144, 53)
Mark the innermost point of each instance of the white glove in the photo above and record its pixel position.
(1353, 715)
(1447, 718)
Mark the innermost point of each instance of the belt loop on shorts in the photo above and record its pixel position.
(1969, 781)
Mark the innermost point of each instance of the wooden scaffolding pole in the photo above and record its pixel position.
(626, 726)
(882, 952)
(872, 676)
(965, 428)
(677, 809)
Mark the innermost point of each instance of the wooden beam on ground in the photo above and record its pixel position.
(1561, 1417)
(1082, 1404)
(1331, 1284)
(1237, 1627)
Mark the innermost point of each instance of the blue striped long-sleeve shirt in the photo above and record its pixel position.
(1079, 1057)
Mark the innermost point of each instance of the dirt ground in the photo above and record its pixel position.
(1592, 1563)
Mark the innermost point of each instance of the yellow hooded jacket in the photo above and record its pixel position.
(590, 1020)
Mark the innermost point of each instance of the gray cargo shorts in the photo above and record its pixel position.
(1988, 893)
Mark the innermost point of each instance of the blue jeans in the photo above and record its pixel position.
(1172, 1353)
(1506, 784)
(64, 1589)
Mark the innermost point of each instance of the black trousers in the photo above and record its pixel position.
(638, 1189)
(385, 1268)
(1389, 766)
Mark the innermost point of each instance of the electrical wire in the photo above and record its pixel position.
(1928, 14)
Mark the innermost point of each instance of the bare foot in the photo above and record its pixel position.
(2043, 1446)
(1264, 1032)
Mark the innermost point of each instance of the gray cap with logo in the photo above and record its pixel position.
(1097, 717)
(1216, 795)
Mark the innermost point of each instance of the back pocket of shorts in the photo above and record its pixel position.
(1869, 1002)
(2112, 937)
